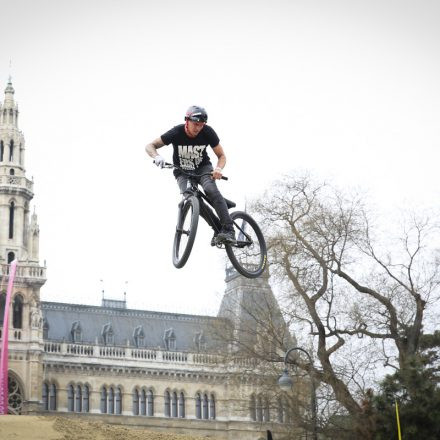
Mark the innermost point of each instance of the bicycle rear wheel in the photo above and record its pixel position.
(186, 231)
(249, 254)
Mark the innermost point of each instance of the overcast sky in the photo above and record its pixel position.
(347, 89)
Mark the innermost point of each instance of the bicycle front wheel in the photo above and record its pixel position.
(186, 231)
(249, 254)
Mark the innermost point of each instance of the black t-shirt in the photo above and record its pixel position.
(190, 153)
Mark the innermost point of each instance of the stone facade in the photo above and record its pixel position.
(159, 370)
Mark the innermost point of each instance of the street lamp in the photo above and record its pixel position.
(285, 382)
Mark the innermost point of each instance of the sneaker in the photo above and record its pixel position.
(226, 235)
(214, 239)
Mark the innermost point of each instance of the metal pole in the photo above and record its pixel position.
(313, 388)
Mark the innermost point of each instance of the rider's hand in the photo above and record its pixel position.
(217, 173)
(159, 161)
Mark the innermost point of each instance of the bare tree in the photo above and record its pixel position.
(353, 287)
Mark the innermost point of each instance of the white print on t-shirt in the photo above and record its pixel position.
(190, 156)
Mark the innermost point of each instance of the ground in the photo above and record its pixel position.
(60, 428)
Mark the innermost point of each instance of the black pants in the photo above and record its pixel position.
(213, 194)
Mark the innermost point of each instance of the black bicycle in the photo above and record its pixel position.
(247, 253)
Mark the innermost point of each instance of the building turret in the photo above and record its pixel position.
(16, 190)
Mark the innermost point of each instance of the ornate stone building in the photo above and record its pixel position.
(160, 370)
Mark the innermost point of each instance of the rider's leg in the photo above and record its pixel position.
(182, 181)
(219, 203)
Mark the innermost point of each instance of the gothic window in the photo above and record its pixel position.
(266, 411)
(45, 397)
(70, 398)
(170, 339)
(205, 407)
(150, 401)
(76, 332)
(259, 409)
(78, 399)
(253, 408)
(139, 336)
(2, 150)
(167, 404)
(11, 257)
(212, 407)
(174, 405)
(143, 409)
(2, 307)
(11, 219)
(11, 151)
(198, 406)
(107, 334)
(104, 400)
(52, 397)
(45, 329)
(118, 401)
(17, 316)
(86, 393)
(136, 402)
(199, 341)
(182, 406)
(111, 401)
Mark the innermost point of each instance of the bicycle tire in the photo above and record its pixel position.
(249, 254)
(187, 226)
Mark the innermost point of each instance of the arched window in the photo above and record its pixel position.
(150, 400)
(70, 398)
(139, 336)
(182, 406)
(104, 400)
(11, 219)
(11, 151)
(136, 402)
(259, 409)
(2, 150)
(86, 393)
(78, 399)
(198, 406)
(205, 407)
(107, 334)
(11, 172)
(280, 411)
(111, 401)
(17, 312)
(143, 410)
(76, 332)
(2, 308)
(167, 404)
(45, 397)
(253, 408)
(212, 407)
(52, 397)
(170, 339)
(174, 405)
(118, 401)
(45, 329)
(266, 412)
(11, 257)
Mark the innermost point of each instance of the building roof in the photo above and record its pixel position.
(94, 322)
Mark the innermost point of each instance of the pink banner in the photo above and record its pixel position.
(5, 337)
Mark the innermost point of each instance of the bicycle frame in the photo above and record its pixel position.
(192, 189)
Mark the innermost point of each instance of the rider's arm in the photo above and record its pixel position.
(217, 173)
(151, 148)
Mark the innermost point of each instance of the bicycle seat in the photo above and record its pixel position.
(230, 204)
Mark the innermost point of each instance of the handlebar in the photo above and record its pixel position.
(170, 165)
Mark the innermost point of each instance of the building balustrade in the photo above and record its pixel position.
(18, 181)
(128, 353)
(25, 271)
